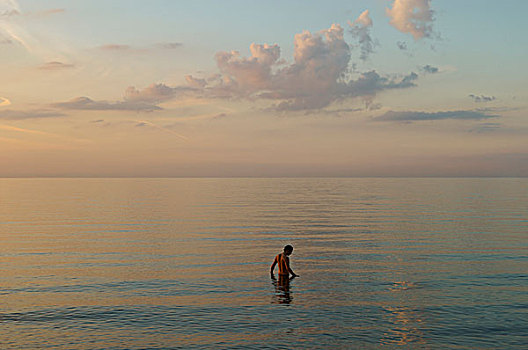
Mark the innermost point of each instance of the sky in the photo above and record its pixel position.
(162, 88)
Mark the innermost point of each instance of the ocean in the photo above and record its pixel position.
(384, 263)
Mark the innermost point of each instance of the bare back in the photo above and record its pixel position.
(284, 262)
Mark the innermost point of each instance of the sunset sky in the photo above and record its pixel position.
(263, 88)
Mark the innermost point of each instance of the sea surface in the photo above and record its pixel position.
(384, 263)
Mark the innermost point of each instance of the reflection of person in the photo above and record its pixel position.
(282, 289)
(284, 264)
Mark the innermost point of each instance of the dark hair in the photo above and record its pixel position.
(288, 248)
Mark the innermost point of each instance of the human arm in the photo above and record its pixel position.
(273, 266)
(289, 268)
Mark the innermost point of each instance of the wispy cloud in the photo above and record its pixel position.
(55, 65)
(85, 103)
(412, 16)
(4, 102)
(115, 47)
(411, 116)
(9, 8)
(141, 100)
(51, 12)
(10, 114)
(154, 93)
(144, 123)
(170, 45)
(360, 29)
(429, 69)
(485, 128)
(481, 98)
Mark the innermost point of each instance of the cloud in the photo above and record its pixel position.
(114, 47)
(485, 127)
(402, 45)
(51, 12)
(316, 78)
(412, 16)
(85, 103)
(429, 69)
(410, 116)
(155, 93)
(4, 102)
(360, 29)
(30, 114)
(9, 8)
(482, 98)
(55, 65)
(134, 99)
(195, 82)
(170, 46)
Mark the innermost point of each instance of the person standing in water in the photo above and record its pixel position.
(284, 264)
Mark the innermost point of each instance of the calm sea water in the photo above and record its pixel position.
(184, 263)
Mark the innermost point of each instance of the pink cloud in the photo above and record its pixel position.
(412, 16)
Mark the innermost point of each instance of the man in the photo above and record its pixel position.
(284, 263)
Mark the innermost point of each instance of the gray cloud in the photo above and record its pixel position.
(85, 103)
(410, 116)
(481, 98)
(402, 45)
(154, 93)
(134, 99)
(429, 69)
(10, 114)
(360, 29)
(55, 65)
(170, 46)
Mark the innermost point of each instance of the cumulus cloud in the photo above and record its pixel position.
(10, 114)
(316, 78)
(55, 65)
(85, 103)
(410, 116)
(195, 82)
(360, 29)
(482, 98)
(412, 16)
(248, 75)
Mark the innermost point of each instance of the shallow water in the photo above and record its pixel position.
(184, 263)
